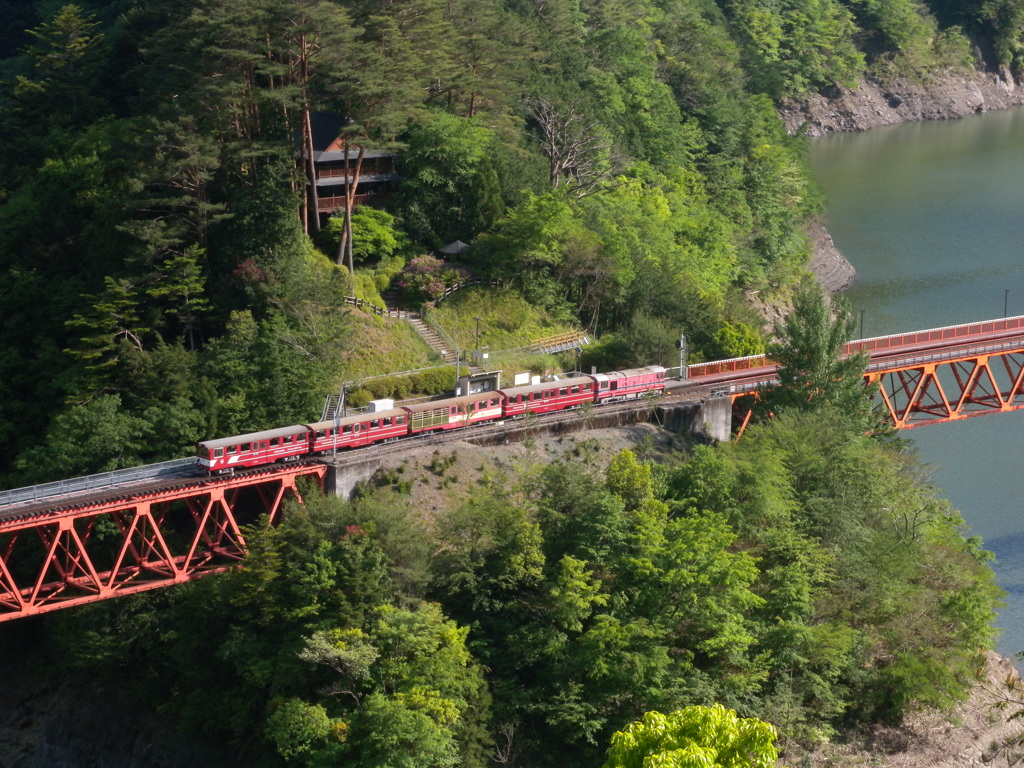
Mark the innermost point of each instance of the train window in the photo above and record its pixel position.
(218, 453)
(347, 429)
(264, 445)
(604, 385)
(574, 390)
(321, 433)
(387, 422)
(232, 450)
(400, 420)
(288, 440)
(374, 424)
(615, 384)
(274, 442)
(563, 391)
(453, 409)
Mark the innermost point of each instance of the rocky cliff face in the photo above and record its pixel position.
(873, 104)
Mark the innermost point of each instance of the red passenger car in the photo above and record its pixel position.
(550, 396)
(362, 429)
(631, 384)
(253, 449)
(454, 412)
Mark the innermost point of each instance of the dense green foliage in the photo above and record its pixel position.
(615, 164)
(805, 576)
(618, 163)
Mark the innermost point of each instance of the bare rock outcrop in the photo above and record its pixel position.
(828, 265)
(872, 104)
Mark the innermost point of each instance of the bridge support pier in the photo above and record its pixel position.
(716, 418)
(343, 476)
(709, 419)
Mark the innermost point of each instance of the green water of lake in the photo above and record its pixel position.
(932, 217)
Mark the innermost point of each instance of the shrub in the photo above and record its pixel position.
(425, 278)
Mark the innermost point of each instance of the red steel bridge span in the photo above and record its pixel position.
(923, 377)
(66, 550)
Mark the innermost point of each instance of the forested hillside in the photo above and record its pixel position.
(619, 162)
(615, 165)
(516, 608)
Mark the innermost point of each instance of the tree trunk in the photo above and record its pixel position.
(313, 209)
(351, 185)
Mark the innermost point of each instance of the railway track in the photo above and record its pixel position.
(55, 498)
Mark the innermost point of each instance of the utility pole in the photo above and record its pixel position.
(681, 346)
(477, 333)
(458, 357)
(337, 426)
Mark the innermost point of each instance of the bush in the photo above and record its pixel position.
(425, 278)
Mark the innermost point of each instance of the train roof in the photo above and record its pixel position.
(359, 418)
(629, 372)
(450, 401)
(529, 388)
(251, 437)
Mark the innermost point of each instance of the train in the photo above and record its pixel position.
(302, 441)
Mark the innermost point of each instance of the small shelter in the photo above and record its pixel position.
(454, 249)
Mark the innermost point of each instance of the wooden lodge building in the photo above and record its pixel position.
(377, 181)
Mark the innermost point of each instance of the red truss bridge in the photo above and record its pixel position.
(924, 377)
(74, 542)
(91, 547)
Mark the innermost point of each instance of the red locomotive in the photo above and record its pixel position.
(298, 441)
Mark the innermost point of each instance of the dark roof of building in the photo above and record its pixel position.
(326, 128)
(366, 178)
(455, 248)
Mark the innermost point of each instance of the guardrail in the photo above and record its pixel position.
(467, 283)
(383, 311)
(428, 318)
(77, 485)
(936, 334)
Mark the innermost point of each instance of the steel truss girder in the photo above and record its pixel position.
(949, 390)
(56, 559)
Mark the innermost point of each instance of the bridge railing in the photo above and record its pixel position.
(946, 333)
(76, 485)
(876, 343)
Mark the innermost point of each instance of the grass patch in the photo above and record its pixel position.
(507, 320)
(384, 345)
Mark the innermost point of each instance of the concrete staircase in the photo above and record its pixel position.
(432, 337)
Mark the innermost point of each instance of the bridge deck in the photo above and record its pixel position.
(176, 526)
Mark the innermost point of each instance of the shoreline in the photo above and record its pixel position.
(930, 738)
(872, 105)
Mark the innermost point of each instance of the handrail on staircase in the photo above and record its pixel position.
(435, 326)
